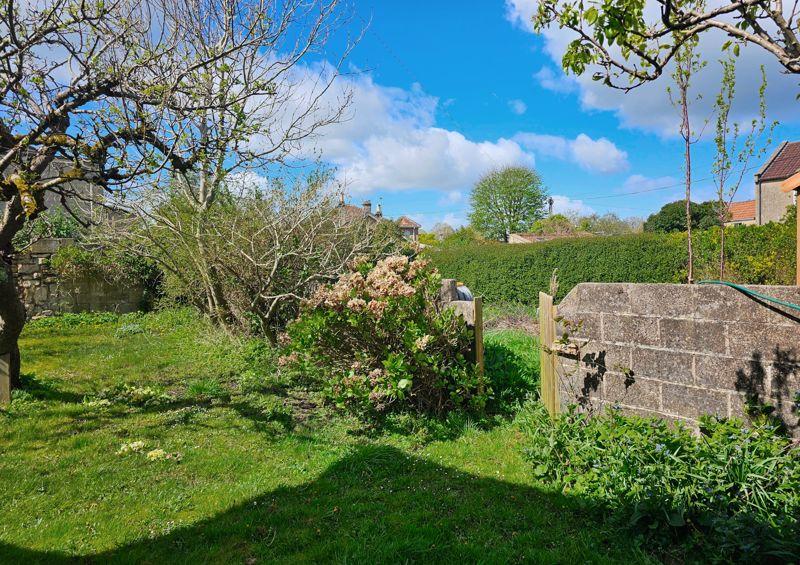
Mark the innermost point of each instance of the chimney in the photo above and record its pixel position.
(379, 211)
(367, 206)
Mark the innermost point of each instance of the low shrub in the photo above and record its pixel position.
(380, 341)
(732, 492)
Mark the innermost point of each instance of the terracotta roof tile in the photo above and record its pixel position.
(406, 222)
(784, 164)
(741, 211)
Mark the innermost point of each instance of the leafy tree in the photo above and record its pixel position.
(630, 42)
(507, 200)
(672, 217)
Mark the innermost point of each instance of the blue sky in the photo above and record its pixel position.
(444, 91)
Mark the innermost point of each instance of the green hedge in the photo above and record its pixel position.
(516, 273)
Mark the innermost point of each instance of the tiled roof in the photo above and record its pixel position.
(351, 212)
(784, 163)
(741, 211)
(406, 222)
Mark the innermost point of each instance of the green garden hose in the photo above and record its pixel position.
(749, 292)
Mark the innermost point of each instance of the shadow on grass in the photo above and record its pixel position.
(380, 505)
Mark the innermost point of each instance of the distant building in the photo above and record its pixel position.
(540, 237)
(742, 213)
(408, 227)
(770, 201)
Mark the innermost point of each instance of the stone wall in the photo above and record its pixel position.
(680, 351)
(43, 293)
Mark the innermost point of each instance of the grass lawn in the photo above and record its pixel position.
(253, 470)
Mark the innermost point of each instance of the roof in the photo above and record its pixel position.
(406, 222)
(531, 237)
(741, 211)
(784, 162)
(354, 212)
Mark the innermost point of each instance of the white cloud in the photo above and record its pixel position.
(648, 107)
(594, 155)
(566, 205)
(549, 80)
(390, 141)
(451, 197)
(518, 106)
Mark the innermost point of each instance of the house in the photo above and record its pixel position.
(741, 213)
(770, 201)
(408, 227)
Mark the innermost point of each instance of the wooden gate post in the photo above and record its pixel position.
(5, 378)
(547, 359)
(477, 304)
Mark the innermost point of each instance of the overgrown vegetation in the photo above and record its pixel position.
(733, 493)
(380, 341)
(211, 455)
(517, 273)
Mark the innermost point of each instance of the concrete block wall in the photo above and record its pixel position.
(680, 351)
(43, 293)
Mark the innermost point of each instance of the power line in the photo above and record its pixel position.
(655, 189)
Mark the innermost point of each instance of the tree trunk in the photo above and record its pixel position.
(12, 318)
(686, 131)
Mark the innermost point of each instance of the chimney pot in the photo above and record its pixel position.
(367, 206)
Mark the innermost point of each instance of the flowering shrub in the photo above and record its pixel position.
(380, 340)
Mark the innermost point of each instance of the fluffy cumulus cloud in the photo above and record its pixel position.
(568, 206)
(389, 141)
(518, 106)
(594, 155)
(648, 107)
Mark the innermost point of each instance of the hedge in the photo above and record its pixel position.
(516, 273)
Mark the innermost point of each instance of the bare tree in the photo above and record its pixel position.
(265, 245)
(632, 43)
(123, 93)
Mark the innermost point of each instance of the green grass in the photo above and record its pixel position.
(257, 470)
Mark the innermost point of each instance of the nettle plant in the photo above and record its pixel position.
(380, 340)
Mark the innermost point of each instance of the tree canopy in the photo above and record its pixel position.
(507, 200)
(672, 217)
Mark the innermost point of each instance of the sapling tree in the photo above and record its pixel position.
(687, 63)
(735, 148)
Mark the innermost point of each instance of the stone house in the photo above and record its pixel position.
(408, 227)
(770, 201)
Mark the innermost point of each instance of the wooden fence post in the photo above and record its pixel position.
(547, 359)
(5, 378)
(478, 320)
